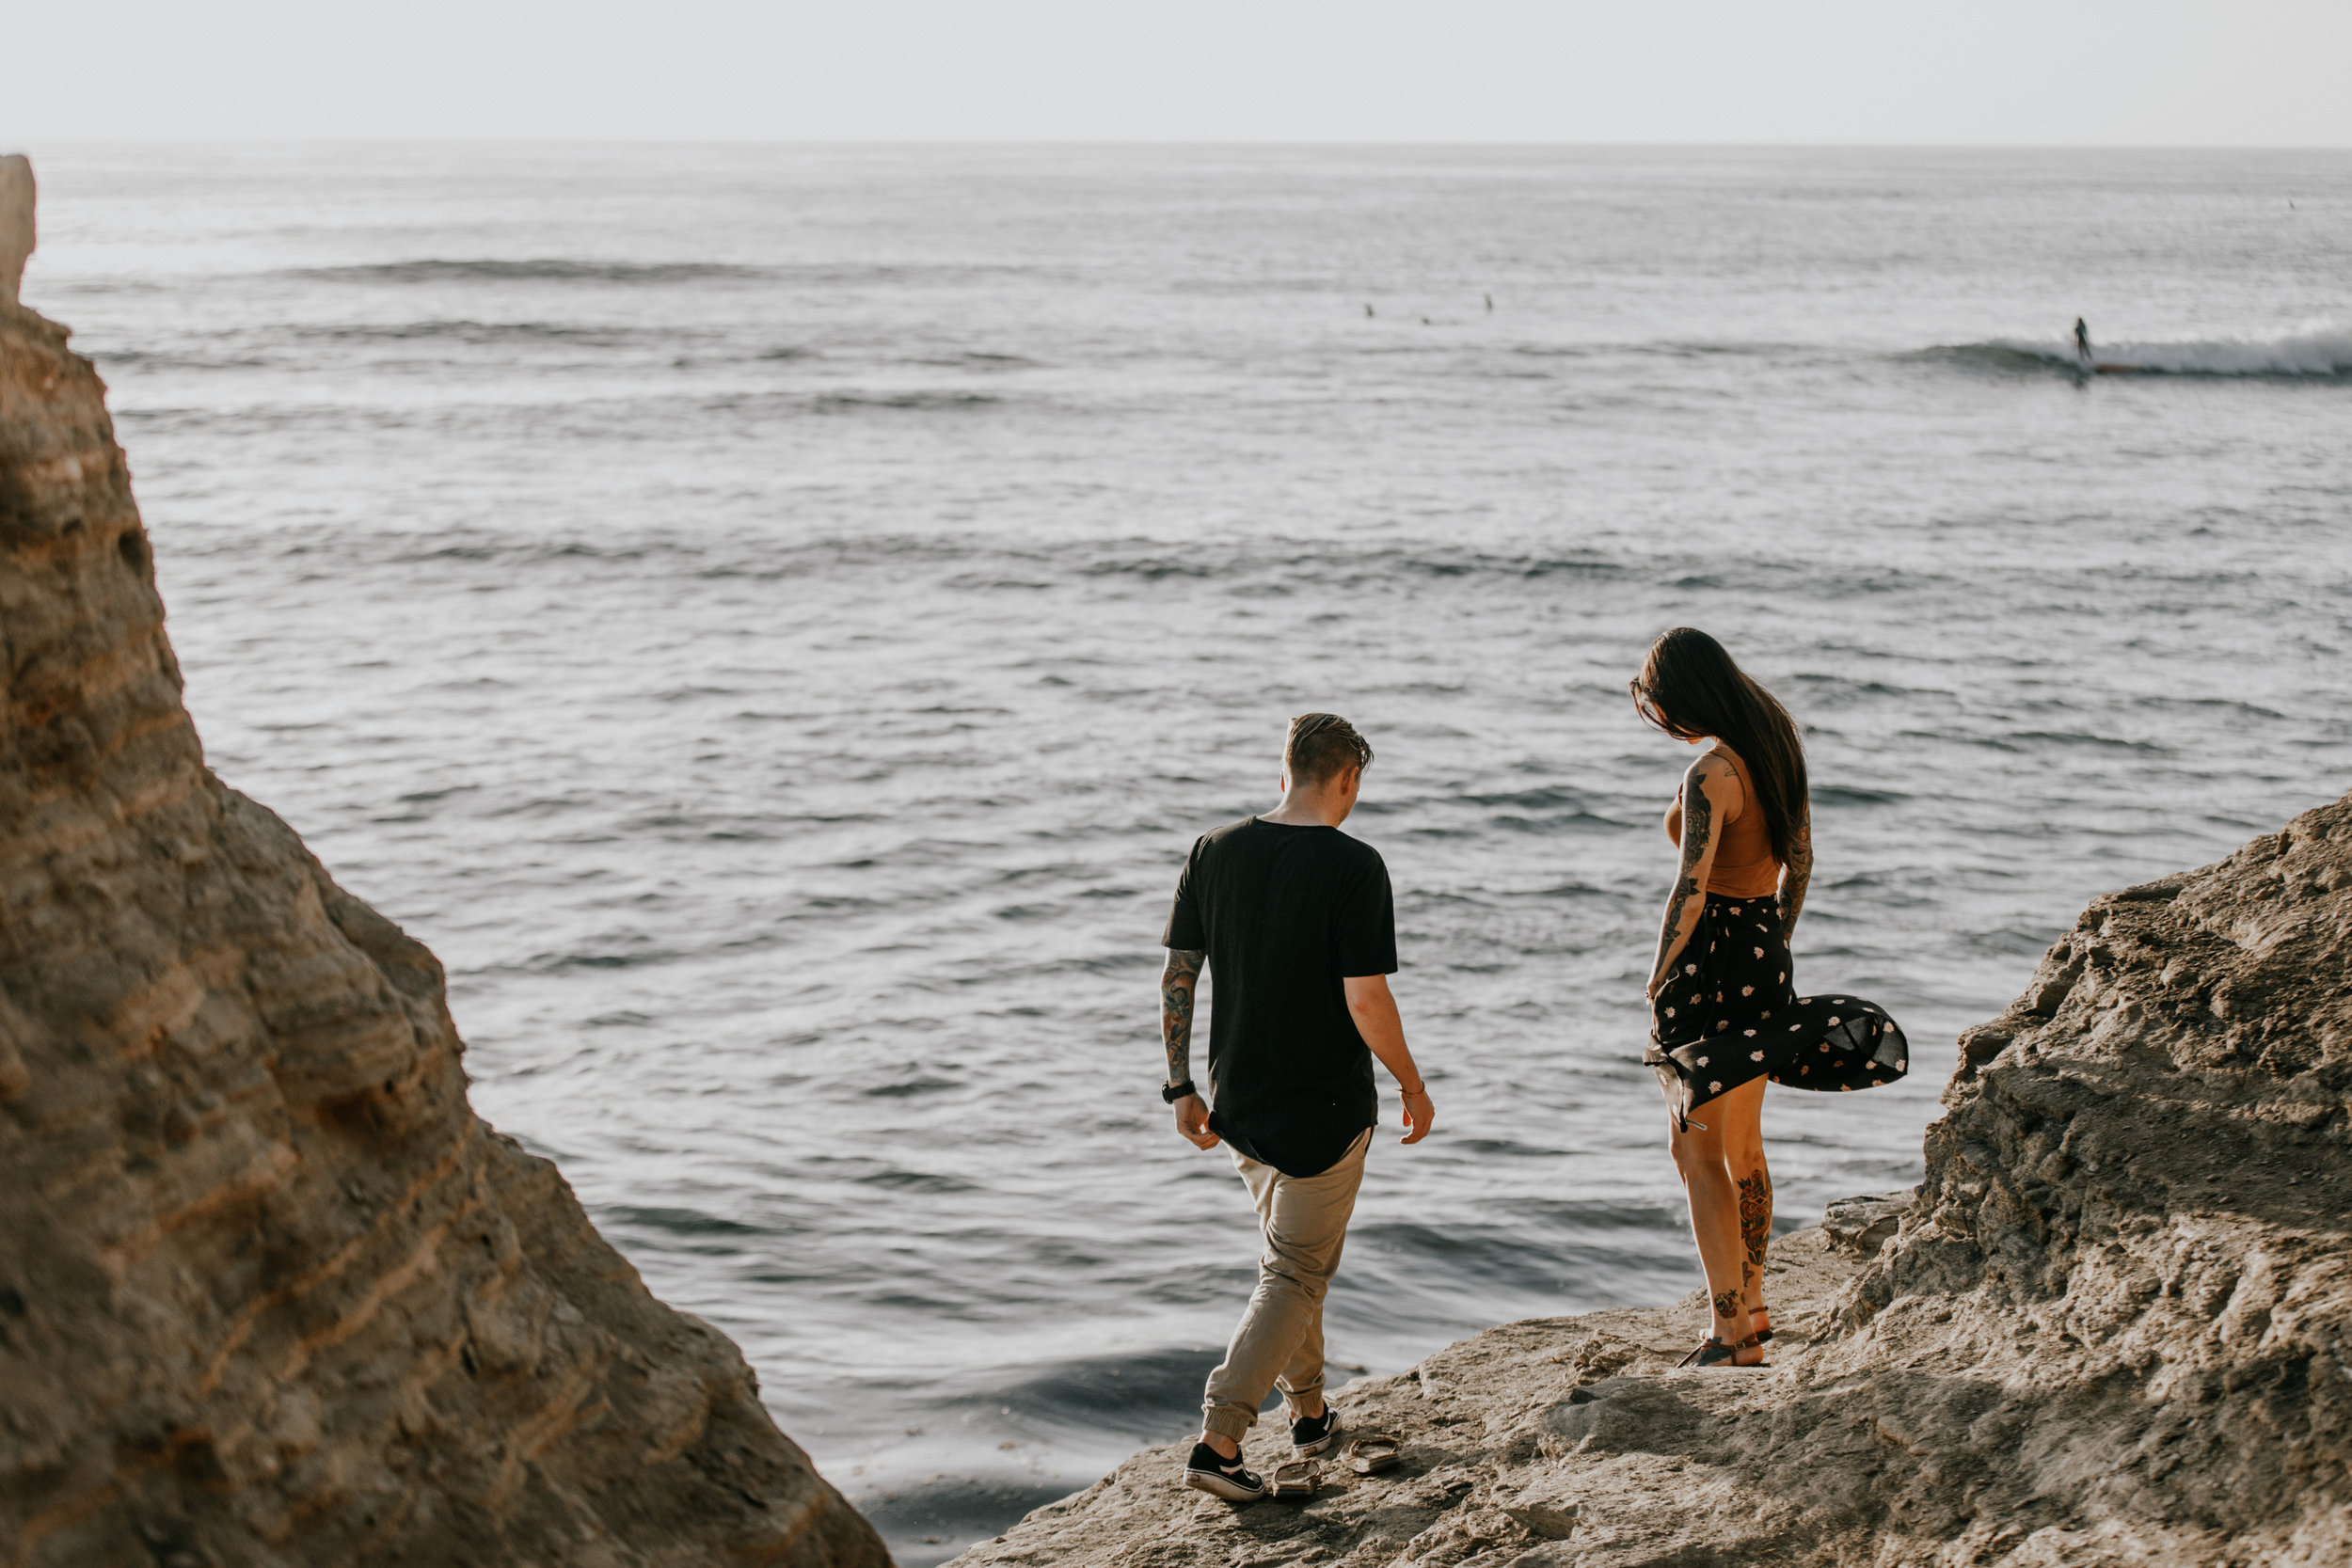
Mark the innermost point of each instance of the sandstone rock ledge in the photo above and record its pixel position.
(270, 1292)
(2113, 1327)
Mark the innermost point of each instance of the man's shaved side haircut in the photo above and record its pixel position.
(1322, 746)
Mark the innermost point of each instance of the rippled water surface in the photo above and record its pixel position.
(773, 621)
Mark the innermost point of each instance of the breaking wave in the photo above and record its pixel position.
(563, 269)
(554, 270)
(2323, 352)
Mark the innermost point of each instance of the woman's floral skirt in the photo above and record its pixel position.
(1728, 1014)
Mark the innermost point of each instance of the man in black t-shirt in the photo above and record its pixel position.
(1294, 920)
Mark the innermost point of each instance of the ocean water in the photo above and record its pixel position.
(774, 619)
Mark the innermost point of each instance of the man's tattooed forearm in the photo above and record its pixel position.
(1755, 1215)
(1176, 988)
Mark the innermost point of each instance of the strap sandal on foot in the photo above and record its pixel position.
(1764, 1335)
(1374, 1452)
(1714, 1352)
(1299, 1478)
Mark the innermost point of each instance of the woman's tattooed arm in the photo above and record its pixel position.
(1707, 776)
(1794, 877)
(1177, 983)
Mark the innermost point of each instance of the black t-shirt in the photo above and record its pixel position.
(1285, 913)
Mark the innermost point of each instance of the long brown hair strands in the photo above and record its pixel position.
(1689, 687)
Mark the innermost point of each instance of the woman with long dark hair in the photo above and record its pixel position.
(1724, 1015)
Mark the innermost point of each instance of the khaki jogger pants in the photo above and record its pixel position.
(1279, 1342)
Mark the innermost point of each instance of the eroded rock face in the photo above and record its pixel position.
(2140, 1196)
(16, 223)
(2114, 1326)
(270, 1292)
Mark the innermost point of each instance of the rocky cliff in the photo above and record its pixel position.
(270, 1292)
(2110, 1328)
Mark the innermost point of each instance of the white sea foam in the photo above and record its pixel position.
(2320, 350)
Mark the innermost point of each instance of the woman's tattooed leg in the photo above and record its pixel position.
(1755, 1222)
(1756, 1234)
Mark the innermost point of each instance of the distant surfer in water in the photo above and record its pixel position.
(2082, 342)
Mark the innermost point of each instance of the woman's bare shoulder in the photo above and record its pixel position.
(1713, 767)
(1716, 773)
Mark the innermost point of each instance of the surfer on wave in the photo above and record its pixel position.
(2082, 342)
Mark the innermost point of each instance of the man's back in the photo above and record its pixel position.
(1286, 912)
(1294, 919)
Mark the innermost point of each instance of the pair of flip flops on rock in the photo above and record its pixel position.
(1367, 1455)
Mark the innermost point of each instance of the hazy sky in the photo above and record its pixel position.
(2147, 71)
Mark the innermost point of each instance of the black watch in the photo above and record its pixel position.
(1174, 1092)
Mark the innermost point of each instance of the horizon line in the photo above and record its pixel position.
(24, 145)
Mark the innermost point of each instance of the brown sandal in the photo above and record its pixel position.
(1299, 1478)
(1712, 1352)
(1374, 1453)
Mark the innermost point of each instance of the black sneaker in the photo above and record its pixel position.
(1309, 1438)
(1209, 1471)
